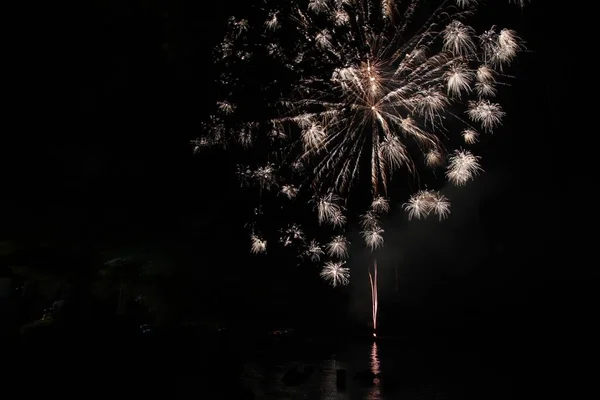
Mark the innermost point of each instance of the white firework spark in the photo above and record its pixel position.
(462, 167)
(372, 232)
(314, 251)
(225, 107)
(265, 177)
(293, 234)
(487, 113)
(470, 136)
(335, 273)
(258, 244)
(373, 237)
(290, 191)
(338, 247)
(380, 205)
(520, 2)
(425, 202)
(329, 211)
(369, 220)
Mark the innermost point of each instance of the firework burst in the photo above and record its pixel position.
(335, 273)
(259, 245)
(363, 88)
(425, 202)
(338, 247)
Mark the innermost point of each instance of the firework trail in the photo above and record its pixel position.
(374, 294)
(363, 88)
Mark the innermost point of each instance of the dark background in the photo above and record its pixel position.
(104, 96)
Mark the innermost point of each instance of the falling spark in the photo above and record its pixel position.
(293, 234)
(289, 191)
(335, 273)
(463, 167)
(258, 245)
(425, 202)
(314, 251)
(338, 247)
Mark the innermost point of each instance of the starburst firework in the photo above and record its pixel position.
(367, 87)
(259, 245)
(313, 251)
(338, 247)
(425, 202)
(336, 273)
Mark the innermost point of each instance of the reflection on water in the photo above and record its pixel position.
(328, 380)
(375, 392)
(377, 371)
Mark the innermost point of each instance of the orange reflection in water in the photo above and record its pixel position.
(374, 359)
(375, 392)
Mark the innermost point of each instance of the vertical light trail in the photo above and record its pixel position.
(375, 392)
(374, 292)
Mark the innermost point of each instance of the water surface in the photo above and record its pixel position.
(399, 370)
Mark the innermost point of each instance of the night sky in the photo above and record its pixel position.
(106, 96)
